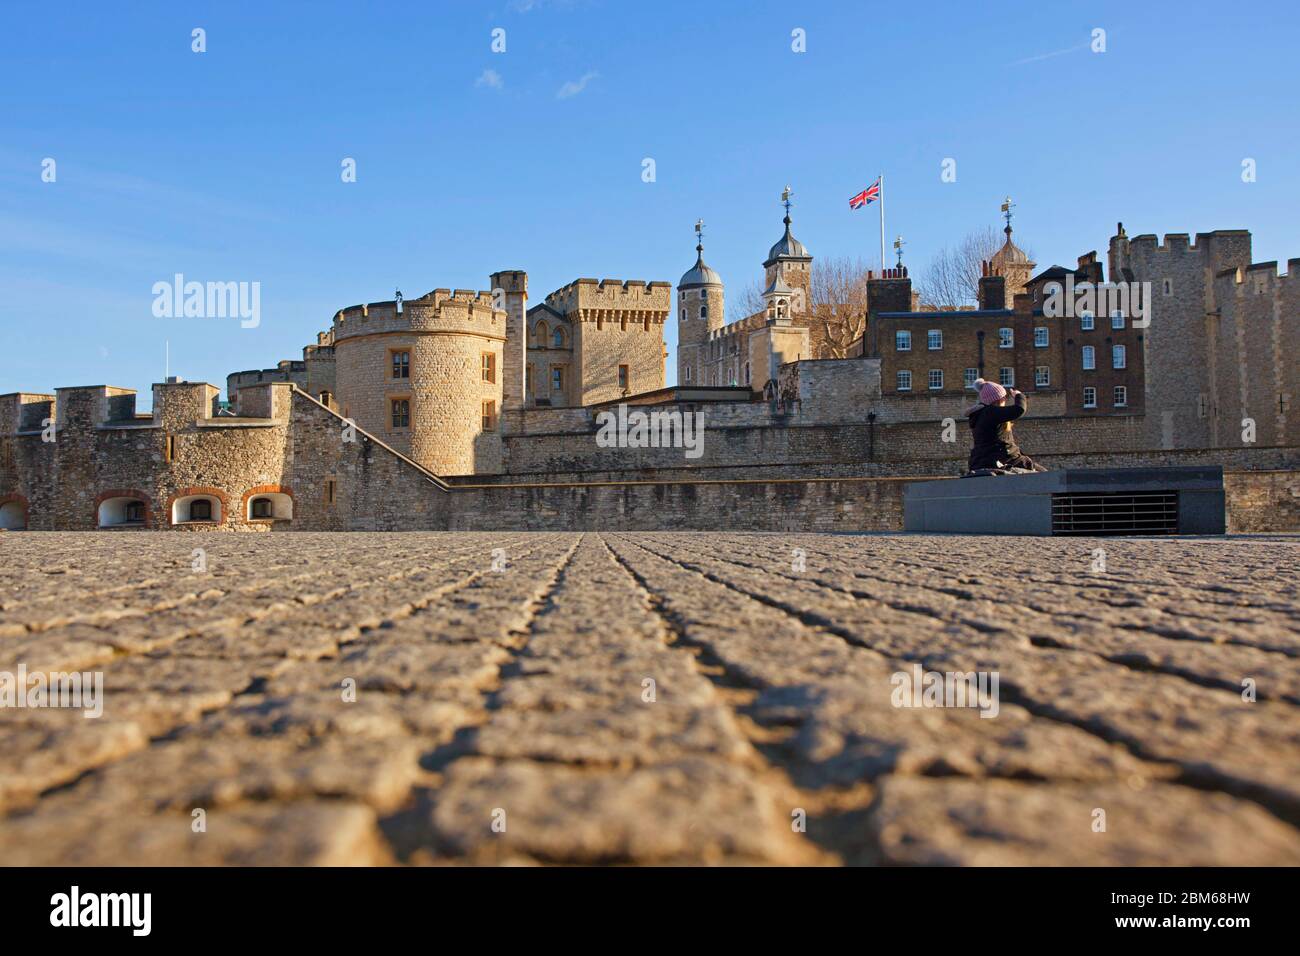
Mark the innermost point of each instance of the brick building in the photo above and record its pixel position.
(1069, 364)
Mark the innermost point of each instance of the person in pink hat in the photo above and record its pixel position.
(990, 423)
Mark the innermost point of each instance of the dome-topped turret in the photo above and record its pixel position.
(1010, 253)
(1010, 259)
(699, 274)
(787, 247)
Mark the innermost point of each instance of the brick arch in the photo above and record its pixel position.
(18, 500)
(135, 493)
(261, 490)
(201, 490)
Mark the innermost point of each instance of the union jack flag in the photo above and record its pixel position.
(870, 194)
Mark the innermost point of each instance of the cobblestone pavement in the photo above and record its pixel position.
(650, 698)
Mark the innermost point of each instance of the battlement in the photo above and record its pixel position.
(1264, 274)
(510, 280)
(267, 400)
(748, 323)
(89, 405)
(733, 330)
(24, 411)
(612, 295)
(180, 404)
(442, 310)
(1180, 242)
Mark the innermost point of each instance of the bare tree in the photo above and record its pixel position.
(750, 300)
(952, 279)
(839, 303)
(837, 308)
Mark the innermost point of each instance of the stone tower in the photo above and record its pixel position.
(510, 293)
(789, 261)
(699, 312)
(1185, 379)
(426, 380)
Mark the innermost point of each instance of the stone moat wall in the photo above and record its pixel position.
(325, 474)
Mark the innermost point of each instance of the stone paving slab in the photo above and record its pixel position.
(585, 698)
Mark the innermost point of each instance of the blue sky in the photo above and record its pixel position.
(225, 165)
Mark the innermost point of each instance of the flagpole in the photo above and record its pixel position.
(882, 225)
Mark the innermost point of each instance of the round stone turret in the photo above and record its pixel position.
(700, 303)
(426, 380)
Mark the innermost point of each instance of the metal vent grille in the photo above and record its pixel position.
(1097, 513)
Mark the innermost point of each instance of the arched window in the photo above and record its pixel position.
(265, 504)
(541, 334)
(704, 312)
(199, 506)
(13, 515)
(119, 511)
(558, 339)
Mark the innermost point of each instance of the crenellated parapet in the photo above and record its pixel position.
(426, 375)
(591, 300)
(440, 311)
(1148, 258)
(25, 411)
(1262, 277)
(1180, 243)
(178, 405)
(91, 405)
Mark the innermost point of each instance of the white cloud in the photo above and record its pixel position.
(491, 79)
(574, 87)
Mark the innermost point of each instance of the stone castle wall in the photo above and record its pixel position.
(1255, 501)
(361, 484)
(102, 450)
(823, 477)
(854, 504)
(1257, 352)
(758, 434)
(1262, 500)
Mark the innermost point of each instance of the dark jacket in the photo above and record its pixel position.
(994, 445)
